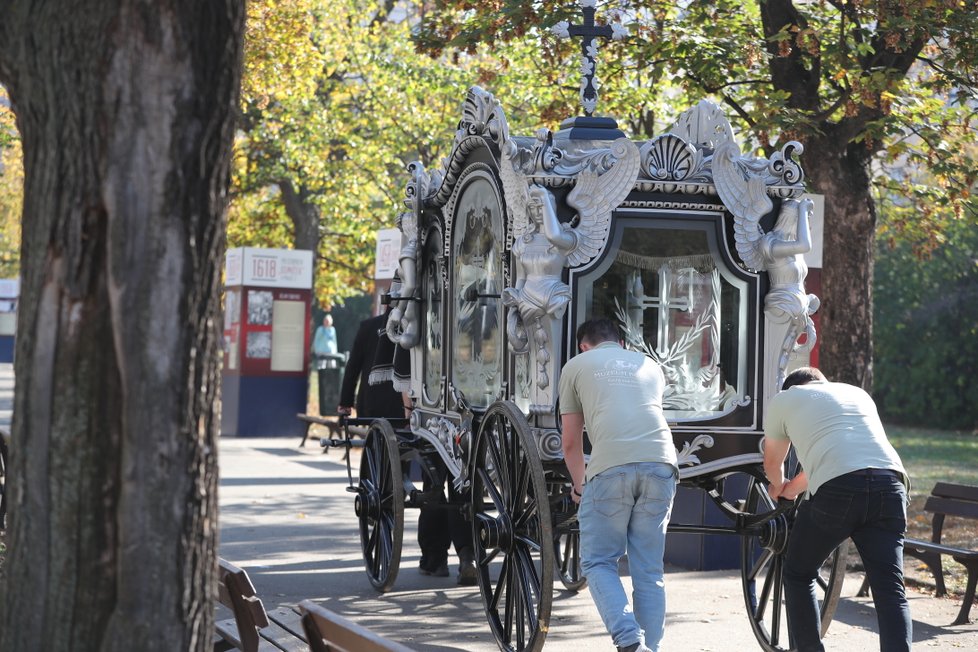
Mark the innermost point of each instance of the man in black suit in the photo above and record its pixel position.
(380, 400)
(438, 528)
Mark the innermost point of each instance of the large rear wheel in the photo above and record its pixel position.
(512, 533)
(379, 505)
(762, 574)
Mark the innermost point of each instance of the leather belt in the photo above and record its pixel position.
(876, 472)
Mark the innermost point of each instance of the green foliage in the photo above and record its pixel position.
(867, 87)
(11, 192)
(926, 336)
(336, 102)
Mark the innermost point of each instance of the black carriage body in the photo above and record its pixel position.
(668, 269)
(692, 247)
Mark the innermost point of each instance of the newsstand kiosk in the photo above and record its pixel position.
(267, 301)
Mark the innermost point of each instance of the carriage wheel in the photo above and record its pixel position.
(567, 558)
(567, 544)
(380, 505)
(762, 568)
(512, 531)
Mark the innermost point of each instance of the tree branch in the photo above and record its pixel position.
(789, 73)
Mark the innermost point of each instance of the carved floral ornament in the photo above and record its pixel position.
(684, 155)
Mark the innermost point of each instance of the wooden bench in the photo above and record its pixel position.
(252, 629)
(335, 429)
(329, 632)
(955, 500)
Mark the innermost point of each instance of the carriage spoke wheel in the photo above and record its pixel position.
(512, 530)
(379, 505)
(762, 575)
(567, 546)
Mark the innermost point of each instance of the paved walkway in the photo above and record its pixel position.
(287, 519)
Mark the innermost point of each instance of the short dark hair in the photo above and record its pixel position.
(802, 376)
(596, 331)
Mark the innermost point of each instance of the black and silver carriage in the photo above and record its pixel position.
(694, 248)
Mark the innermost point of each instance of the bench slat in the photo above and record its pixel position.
(929, 546)
(329, 632)
(283, 639)
(228, 629)
(289, 620)
(959, 491)
(951, 507)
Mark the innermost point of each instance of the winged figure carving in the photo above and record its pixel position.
(595, 196)
(515, 188)
(545, 246)
(745, 196)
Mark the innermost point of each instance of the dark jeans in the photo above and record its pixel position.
(439, 526)
(870, 507)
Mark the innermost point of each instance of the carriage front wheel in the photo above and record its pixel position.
(380, 505)
(512, 531)
(762, 575)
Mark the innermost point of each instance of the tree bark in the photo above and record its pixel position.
(839, 170)
(125, 109)
(304, 215)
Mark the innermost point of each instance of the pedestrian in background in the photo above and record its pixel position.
(857, 489)
(631, 478)
(324, 339)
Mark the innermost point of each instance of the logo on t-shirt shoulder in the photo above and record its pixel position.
(618, 370)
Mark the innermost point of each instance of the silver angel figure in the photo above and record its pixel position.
(402, 321)
(780, 251)
(783, 250)
(543, 245)
(539, 294)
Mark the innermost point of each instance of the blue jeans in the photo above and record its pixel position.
(871, 509)
(626, 509)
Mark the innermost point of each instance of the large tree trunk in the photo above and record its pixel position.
(125, 108)
(304, 214)
(839, 171)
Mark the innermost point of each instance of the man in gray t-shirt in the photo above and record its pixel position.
(631, 478)
(858, 490)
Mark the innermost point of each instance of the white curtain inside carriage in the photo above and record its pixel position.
(674, 303)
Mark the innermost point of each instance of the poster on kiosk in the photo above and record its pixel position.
(267, 301)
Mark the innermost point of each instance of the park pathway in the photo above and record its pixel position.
(287, 519)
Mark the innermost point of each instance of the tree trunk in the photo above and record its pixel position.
(304, 215)
(125, 109)
(838, 169)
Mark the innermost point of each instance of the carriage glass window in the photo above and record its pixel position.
(477, 244)
(431, 295)
(675, 301)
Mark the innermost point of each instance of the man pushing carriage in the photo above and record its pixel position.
(693, 249)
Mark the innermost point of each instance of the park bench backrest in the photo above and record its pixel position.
(327, 631)
(236, 592)
(950, 500)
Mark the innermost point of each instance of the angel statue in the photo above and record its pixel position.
(543, 245)
(402, 321)
(779, 251)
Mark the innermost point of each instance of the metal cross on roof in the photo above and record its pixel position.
(589, 32)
